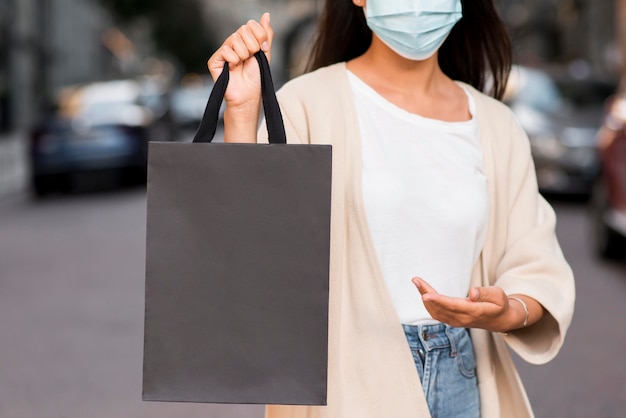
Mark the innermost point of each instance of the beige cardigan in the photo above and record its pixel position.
(371, 373)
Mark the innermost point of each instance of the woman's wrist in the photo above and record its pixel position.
(523, 311)
(241, 122)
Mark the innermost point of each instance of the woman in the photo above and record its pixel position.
(439, 236)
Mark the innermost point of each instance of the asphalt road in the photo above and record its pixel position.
(71, 312)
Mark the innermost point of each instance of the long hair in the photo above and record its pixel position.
(478, 50)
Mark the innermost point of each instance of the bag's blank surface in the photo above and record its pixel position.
(237, 273)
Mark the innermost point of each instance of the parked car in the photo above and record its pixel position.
(608, 201)
(100, 126)
(561, 118)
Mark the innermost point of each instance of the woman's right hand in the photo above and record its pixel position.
(243, 94)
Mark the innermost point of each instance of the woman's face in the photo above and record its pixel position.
(414, 29)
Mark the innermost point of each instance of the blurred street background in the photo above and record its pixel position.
(85, 84)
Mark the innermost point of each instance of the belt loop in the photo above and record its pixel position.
(453, 348)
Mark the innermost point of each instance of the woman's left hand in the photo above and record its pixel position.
(486, 307)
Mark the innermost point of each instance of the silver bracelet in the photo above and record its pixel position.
(525, 308)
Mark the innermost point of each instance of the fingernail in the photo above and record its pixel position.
(265, 46)
(416, 283)
(268, 17)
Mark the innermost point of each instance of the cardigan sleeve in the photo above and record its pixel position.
(532, 262)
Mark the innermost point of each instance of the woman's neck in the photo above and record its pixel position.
(419, 87)
(382, 65)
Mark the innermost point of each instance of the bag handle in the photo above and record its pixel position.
(273, 116)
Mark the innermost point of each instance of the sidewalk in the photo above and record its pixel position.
(13, 165)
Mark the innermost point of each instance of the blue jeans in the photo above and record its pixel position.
(445, 361)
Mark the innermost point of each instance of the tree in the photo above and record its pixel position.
(178, 27)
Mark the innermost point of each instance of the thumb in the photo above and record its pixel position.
(267, 45)
(422, 285)
(487, 294)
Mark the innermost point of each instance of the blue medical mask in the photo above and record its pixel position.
(414, 29)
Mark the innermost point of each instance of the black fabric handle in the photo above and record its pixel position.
(273, 116)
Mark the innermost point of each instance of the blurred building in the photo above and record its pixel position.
(5, 32)
(45, 45)
(73, 50)
(581, 33)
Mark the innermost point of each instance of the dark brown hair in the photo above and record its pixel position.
(478, 50)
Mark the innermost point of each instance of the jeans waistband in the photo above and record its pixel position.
(433, 336)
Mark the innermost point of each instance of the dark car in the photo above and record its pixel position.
(561, 118)
(61, 149)
(100, 127)
(609, 194)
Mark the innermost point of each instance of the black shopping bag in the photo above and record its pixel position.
(236, 307)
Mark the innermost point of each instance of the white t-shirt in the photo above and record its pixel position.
(425, 198)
